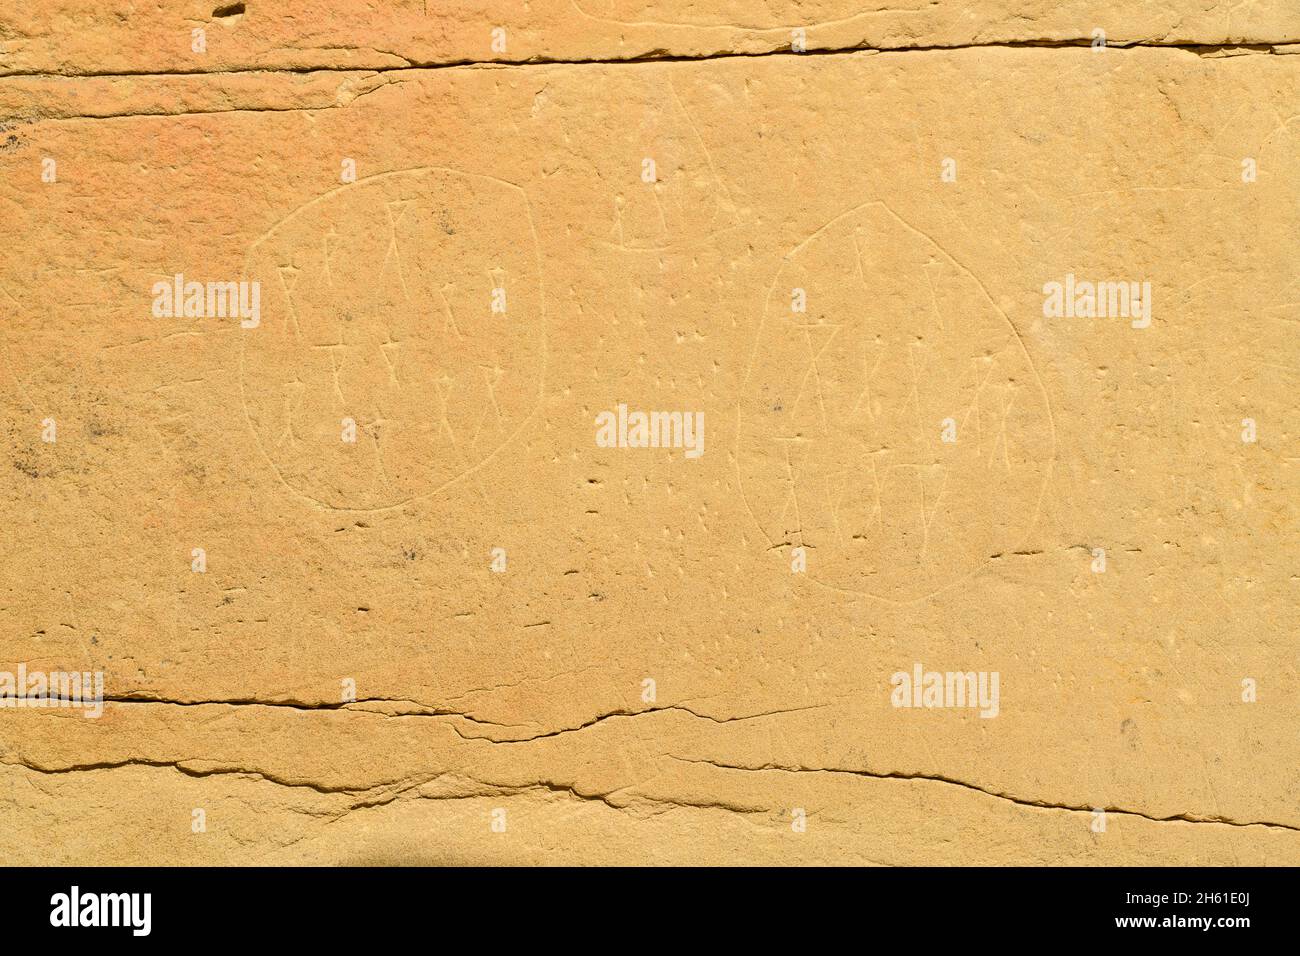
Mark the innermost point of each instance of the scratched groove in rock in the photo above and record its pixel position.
(368, 581)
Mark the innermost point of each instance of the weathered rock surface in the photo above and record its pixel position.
(499, 274)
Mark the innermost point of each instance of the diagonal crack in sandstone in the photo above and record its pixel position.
(997, 794)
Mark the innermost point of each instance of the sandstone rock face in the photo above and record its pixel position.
(649, 432)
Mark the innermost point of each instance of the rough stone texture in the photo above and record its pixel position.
(477, 691)
(120, 36)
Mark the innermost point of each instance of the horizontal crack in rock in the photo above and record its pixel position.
(639, 713)
(1211, 50)
(387, 793)
(382, 794)
(1019, 801)
(429, 710)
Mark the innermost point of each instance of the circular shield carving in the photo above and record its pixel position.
(409, 304)
(841, 435)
